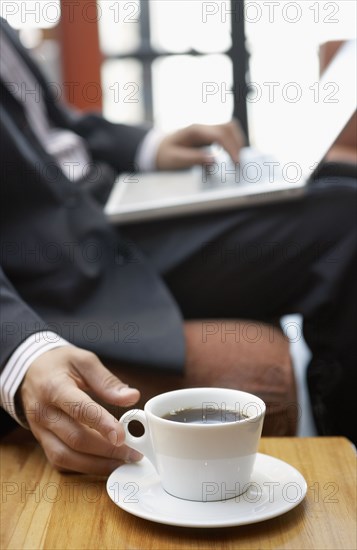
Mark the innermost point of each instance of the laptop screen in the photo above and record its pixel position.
(332, 105)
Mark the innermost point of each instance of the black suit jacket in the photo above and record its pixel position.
(63, 267)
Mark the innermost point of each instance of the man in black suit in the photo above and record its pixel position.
(69, 277)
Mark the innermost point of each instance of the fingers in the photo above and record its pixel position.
(76, 432)
(183, 157)
(229, 136)
(64, 458)
(105, 384)
(238, 140)
(183, 149)
(82, 439)
(83, 410)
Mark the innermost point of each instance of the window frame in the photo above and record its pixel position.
(238, 55)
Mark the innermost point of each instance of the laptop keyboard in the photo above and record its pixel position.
(253, 167)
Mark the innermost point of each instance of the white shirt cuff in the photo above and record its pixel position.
(146, 154)
(18, 363)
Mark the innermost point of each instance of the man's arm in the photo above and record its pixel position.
(119, 145)
(23, 338)
(123, 146)
(18, 320)
(50, 380)
(115, 144)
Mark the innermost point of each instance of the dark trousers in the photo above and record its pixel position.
(267, 261)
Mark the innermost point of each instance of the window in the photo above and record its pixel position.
(283, 39)
(172, 62)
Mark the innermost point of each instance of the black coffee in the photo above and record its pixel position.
(204, 416)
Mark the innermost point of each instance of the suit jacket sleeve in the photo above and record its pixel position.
(114, 144)
(18, 320)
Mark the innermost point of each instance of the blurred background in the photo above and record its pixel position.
(177, 62)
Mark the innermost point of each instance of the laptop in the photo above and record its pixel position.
(257, 178)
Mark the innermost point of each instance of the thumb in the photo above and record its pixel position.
(103, 382)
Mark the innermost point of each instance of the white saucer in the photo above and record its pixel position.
(276, 488)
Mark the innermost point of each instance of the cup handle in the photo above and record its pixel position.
(142, 443)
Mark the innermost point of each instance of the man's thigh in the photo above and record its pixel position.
(260, 262)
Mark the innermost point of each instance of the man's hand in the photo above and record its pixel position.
(184, 148)
(76, 433)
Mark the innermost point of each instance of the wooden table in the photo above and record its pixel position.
(42, 508)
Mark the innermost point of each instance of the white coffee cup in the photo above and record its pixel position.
(200, 461)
